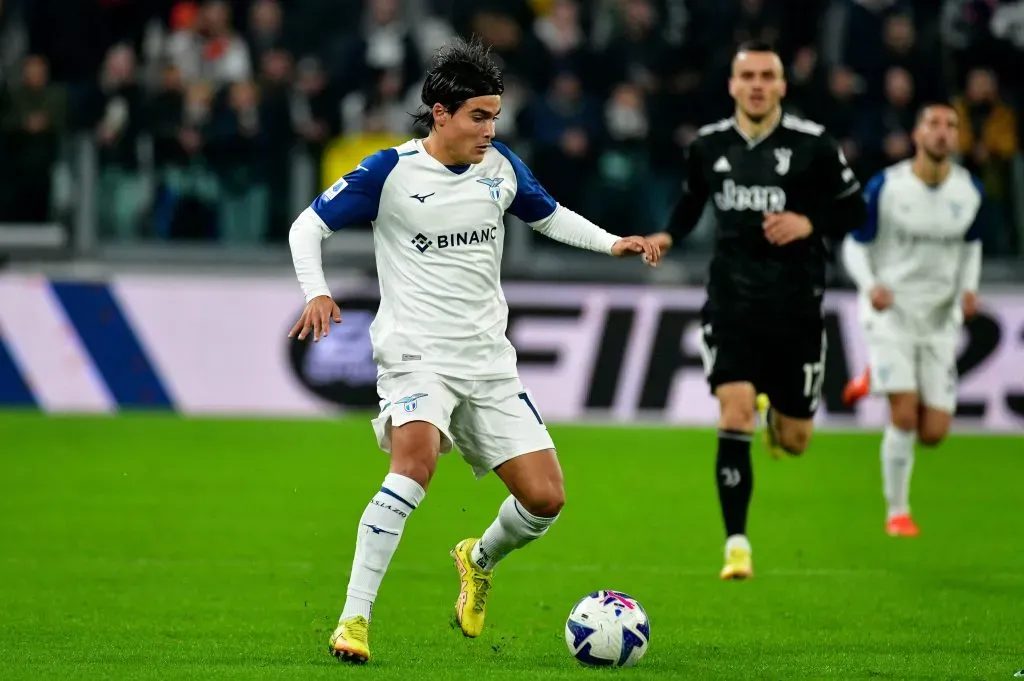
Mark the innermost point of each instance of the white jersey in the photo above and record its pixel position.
(438, 237)
(921, 243)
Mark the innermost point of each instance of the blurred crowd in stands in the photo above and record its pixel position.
(216, 100)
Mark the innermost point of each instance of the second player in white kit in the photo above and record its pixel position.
(446, 371)
(917, 264)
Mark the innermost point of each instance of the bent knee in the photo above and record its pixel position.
(736, 402)
(546, 502)
(904, 410)
(931, 437)
(933, 427)
(418, 471)
(905, 420)
(738, 415)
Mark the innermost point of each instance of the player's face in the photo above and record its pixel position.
(937, 133)
(469, 131)
(757, 83)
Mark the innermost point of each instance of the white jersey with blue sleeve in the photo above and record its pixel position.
(438, 237)
(922, 242)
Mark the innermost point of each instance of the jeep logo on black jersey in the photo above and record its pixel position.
(477, 236)
(756, 198)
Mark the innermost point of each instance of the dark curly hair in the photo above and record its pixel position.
(459, 71)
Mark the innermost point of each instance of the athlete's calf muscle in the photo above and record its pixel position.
(535, 479)
(933, 426)
(793, 435)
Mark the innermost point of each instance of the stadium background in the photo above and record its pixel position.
(152, 157)
(153, 149)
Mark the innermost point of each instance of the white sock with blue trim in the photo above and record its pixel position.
(380, 529)
(514, 528)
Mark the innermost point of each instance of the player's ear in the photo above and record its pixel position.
(732, 87)
(441, 114)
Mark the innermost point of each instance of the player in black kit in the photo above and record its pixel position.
(782, 191)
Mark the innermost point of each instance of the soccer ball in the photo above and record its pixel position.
(608, 629)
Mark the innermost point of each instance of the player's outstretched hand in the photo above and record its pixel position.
(663, 240)
(317, 318)
(785, 228)
(969, 302)
(637, 245)
(881, 298)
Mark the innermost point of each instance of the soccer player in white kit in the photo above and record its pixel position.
(446, 371)
(917, 264)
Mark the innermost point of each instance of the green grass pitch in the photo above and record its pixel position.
(155, 547)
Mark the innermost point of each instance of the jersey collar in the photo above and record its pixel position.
(456, 169)
(751, 142)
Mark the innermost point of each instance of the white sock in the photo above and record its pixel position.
(380, 528)
(897, 465)
(737, 541)
(514, 528)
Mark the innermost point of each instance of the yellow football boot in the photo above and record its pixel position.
(764, 407)
(738, 564)
(350, 642)
(474, 585)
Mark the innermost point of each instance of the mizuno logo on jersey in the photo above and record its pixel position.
(422, 199)
(760, 199)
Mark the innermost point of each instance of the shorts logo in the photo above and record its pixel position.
(410, 402)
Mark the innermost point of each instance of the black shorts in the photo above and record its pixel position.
(788, 365)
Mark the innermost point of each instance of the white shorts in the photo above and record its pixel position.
(927, 368)
(489, 421)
